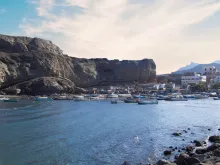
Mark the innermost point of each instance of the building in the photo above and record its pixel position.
(217, 77)
(210, 73)
(192, 78)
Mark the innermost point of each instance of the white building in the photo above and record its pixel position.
(210, 73)
(192, 78)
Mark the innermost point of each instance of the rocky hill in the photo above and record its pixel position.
(23, 59)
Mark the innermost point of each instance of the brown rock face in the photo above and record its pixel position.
(24, 58)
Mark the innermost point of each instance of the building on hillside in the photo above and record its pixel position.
(192, 78)
(210, 73)
(217, 77)
(170, 85)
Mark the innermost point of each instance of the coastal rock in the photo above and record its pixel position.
(167, 152)
(198, 143)
(185, 159)
(126, 163)
(23, 59)
(176, 134)
(214, 139)
(162, 162)
(189, 148)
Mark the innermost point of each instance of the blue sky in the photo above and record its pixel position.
(169, 31)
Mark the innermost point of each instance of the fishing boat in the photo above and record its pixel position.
(176, 99)
(138, 96)
(145, 102)
(10, 101)
(112, 95)
(116, 101)
(189, 96)
(161, 97)
(216, 98)
(199, 96)
(42, 99)
(130, 100)
(125, 95)
(4, 98)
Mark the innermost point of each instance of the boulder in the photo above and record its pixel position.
(167, 152)
(185, 159)
(162, 162)
(214, 139)
(198, 143)
(189, 148)
(126, 163)
(176, 134)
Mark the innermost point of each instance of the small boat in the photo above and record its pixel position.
(138, 96)
(42, 99)
(189, 96)
(216, 98)
(116, 101)
(176, 99)
(112, 96)
(199, 96)
(125, 95)
(145, 102)
(130, 100)
(11, 101)
(161, 97)
(4, 98)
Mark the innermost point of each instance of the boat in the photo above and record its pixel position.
(10, 101)
(189, 96)
(4, 98)
(116, 101)
(145, 102)
(176, 99)
(138, 96)
(199, 96)
(130, 100)
(125, 95)
(216, 98)
(161, 97)
(112, 96)
(42, 99)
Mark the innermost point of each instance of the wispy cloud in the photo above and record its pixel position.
(2, 10)
(126, 29)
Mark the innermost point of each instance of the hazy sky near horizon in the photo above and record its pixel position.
(172, 32)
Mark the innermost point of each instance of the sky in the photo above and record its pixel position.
(171, 32)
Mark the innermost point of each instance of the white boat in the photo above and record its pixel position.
(125, 95)
(176, 99)
(112, 96)
(4, 98)
(42, 98)
(145, 102)
(199, 96)
(78, 97)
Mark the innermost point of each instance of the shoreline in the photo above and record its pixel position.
(206, 152)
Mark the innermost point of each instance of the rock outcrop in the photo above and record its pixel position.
(23, 59)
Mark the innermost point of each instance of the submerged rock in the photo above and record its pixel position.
(176, 134)
(167, 152)
(163, 162)
(198, 143)
(126, 163)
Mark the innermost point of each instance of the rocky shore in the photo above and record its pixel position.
(205, 152)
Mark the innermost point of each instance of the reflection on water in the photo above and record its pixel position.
(97, 133)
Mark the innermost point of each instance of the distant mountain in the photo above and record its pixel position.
(199, 68)
(187, 67)
(217, 62)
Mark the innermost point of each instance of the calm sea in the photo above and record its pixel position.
(99, 133)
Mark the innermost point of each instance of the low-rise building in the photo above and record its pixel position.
(210, 73)
(217, 77)
(192, 78)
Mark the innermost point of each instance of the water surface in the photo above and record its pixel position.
(98, 133)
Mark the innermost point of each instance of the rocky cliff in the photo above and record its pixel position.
(23, 59)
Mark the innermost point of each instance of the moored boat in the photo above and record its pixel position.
(145, 102)
(116, 101)
(199, 96)
(10, 101)
(130, 100)
(4, 98)
(216, 98)
(112, 95)
(176, 99)
(42, 99)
